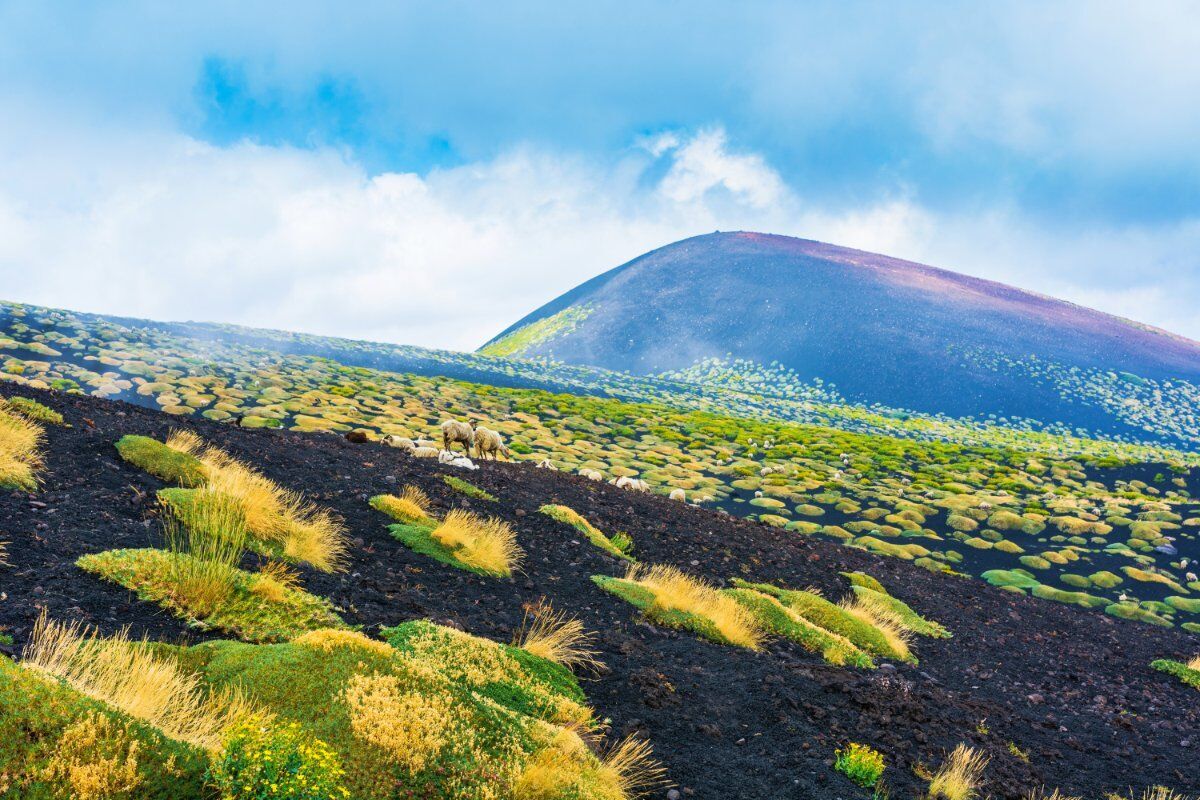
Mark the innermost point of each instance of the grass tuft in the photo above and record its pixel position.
(20, 452)
(469, 489)
(880, 616)
(676, 599)
(781, 620)
(486, 545)
(32, 410)
(412, 506)
(163, 462)
(618, 545)
(959, 776)
(558, 637)
(128, 677)
(1189, 673)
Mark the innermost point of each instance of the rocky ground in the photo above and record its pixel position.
(1071, 688)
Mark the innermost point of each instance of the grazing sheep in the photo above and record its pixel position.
(402, 442)
(591, 474)
(488, 442)
(455, 431)
(985, 506)
(425, 452)
(678, 494)
(546, 463)
(625, 482)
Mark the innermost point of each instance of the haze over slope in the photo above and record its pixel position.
(881, 329)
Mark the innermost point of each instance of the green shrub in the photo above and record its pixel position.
(1180, 670)
(164, 463)
(618, 545)
(861, 764)
(904, 613)
(33, 411)
(263, 761)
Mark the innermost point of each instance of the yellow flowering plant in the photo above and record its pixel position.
(264, 761)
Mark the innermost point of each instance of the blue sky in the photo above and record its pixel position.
(428, 173)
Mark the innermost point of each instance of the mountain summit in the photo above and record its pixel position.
(881, 329)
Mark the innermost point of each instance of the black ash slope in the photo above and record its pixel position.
(1072, 688)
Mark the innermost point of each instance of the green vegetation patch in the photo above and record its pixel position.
(828, 615)
(864, 580)
(1188, 604)
(441, 715)
(537, 332)
(469, 489)
(164, 463)
(618, 546)
(1019, 579)
(1180, 670)
(643, 598)
(1082, 599)
(47, 725)
(903, 613)
(1135, 612)
(253, 612)
(780, 620)
(416, 536)
(32, 410)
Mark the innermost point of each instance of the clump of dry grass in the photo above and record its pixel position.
(675, 590)
(127, 676)
(303, 531)
(96, 759)
(4, 555)
(328, 639)
(558, 637)
(488, 545)
(273, 581)
(411, 506)
(20, 452)
(886, 620)
(566, 768)
(629, 769)
(212, 531)
(1194, 663)
(959, 776)
(1057, 795)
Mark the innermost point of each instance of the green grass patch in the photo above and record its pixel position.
(1082, 599)
(618, 546)
(1135, 612)
(164, 463)
(1014, 578)
(864, 580)
(780, 620)
(254, 612)
(469, 489)
(46, 725)
(1180, 670)
(32, 410)
(827, 615)
(904, 613)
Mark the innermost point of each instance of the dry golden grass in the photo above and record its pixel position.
(274, 580)
(305, 532)
(675, 590)
(566, 768)
(888, 623)
(558, 637)
(20, 451)
(128, 677)
(1193, 664)
(4, 555)
(411, 506)
(212, 531)
(411, 726)
(959, 776)
(1057, 795)
(489, 545)
(630, 770)
(1161, 793)
(329, 638)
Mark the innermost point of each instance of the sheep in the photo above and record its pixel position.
(625, 482)
(546, 463)
(1190, 577)
(453, 459)
(455, 431)
(488, 442)
(591, 474)
(426, 443)
(424, 452)
(678, 494)
(402, 442)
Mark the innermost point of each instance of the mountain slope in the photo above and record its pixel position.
(883, 330)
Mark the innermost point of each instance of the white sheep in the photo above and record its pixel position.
(1190, 577)
(488, 442)
(546, 463)
(455, 431)
(403, 442)
(425, 452)
(454, 460)
(425, 443)
(758, 494)
(625, 482)
(678, 494)
(591, 474)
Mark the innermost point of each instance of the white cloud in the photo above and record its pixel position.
(170, 228)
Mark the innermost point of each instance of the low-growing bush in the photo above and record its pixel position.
(618, 545)
(860, 763)
(467, 488)
(265, 760)
(412, 505)
(780, 620)
(32, 410)
(166, 464)
(1189, 673)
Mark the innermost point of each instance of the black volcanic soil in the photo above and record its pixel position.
(1070, 687)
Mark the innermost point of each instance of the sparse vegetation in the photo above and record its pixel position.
(467, 488)
(780, 620)
(619, 545)
(959, 776)
(412, 506)
(673, 598)
(31, 410)
(487, 546)
(1189, 673)
(556, 636)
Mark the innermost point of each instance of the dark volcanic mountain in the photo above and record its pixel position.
(882, 329)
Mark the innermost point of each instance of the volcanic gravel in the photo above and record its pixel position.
(1071, 688)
